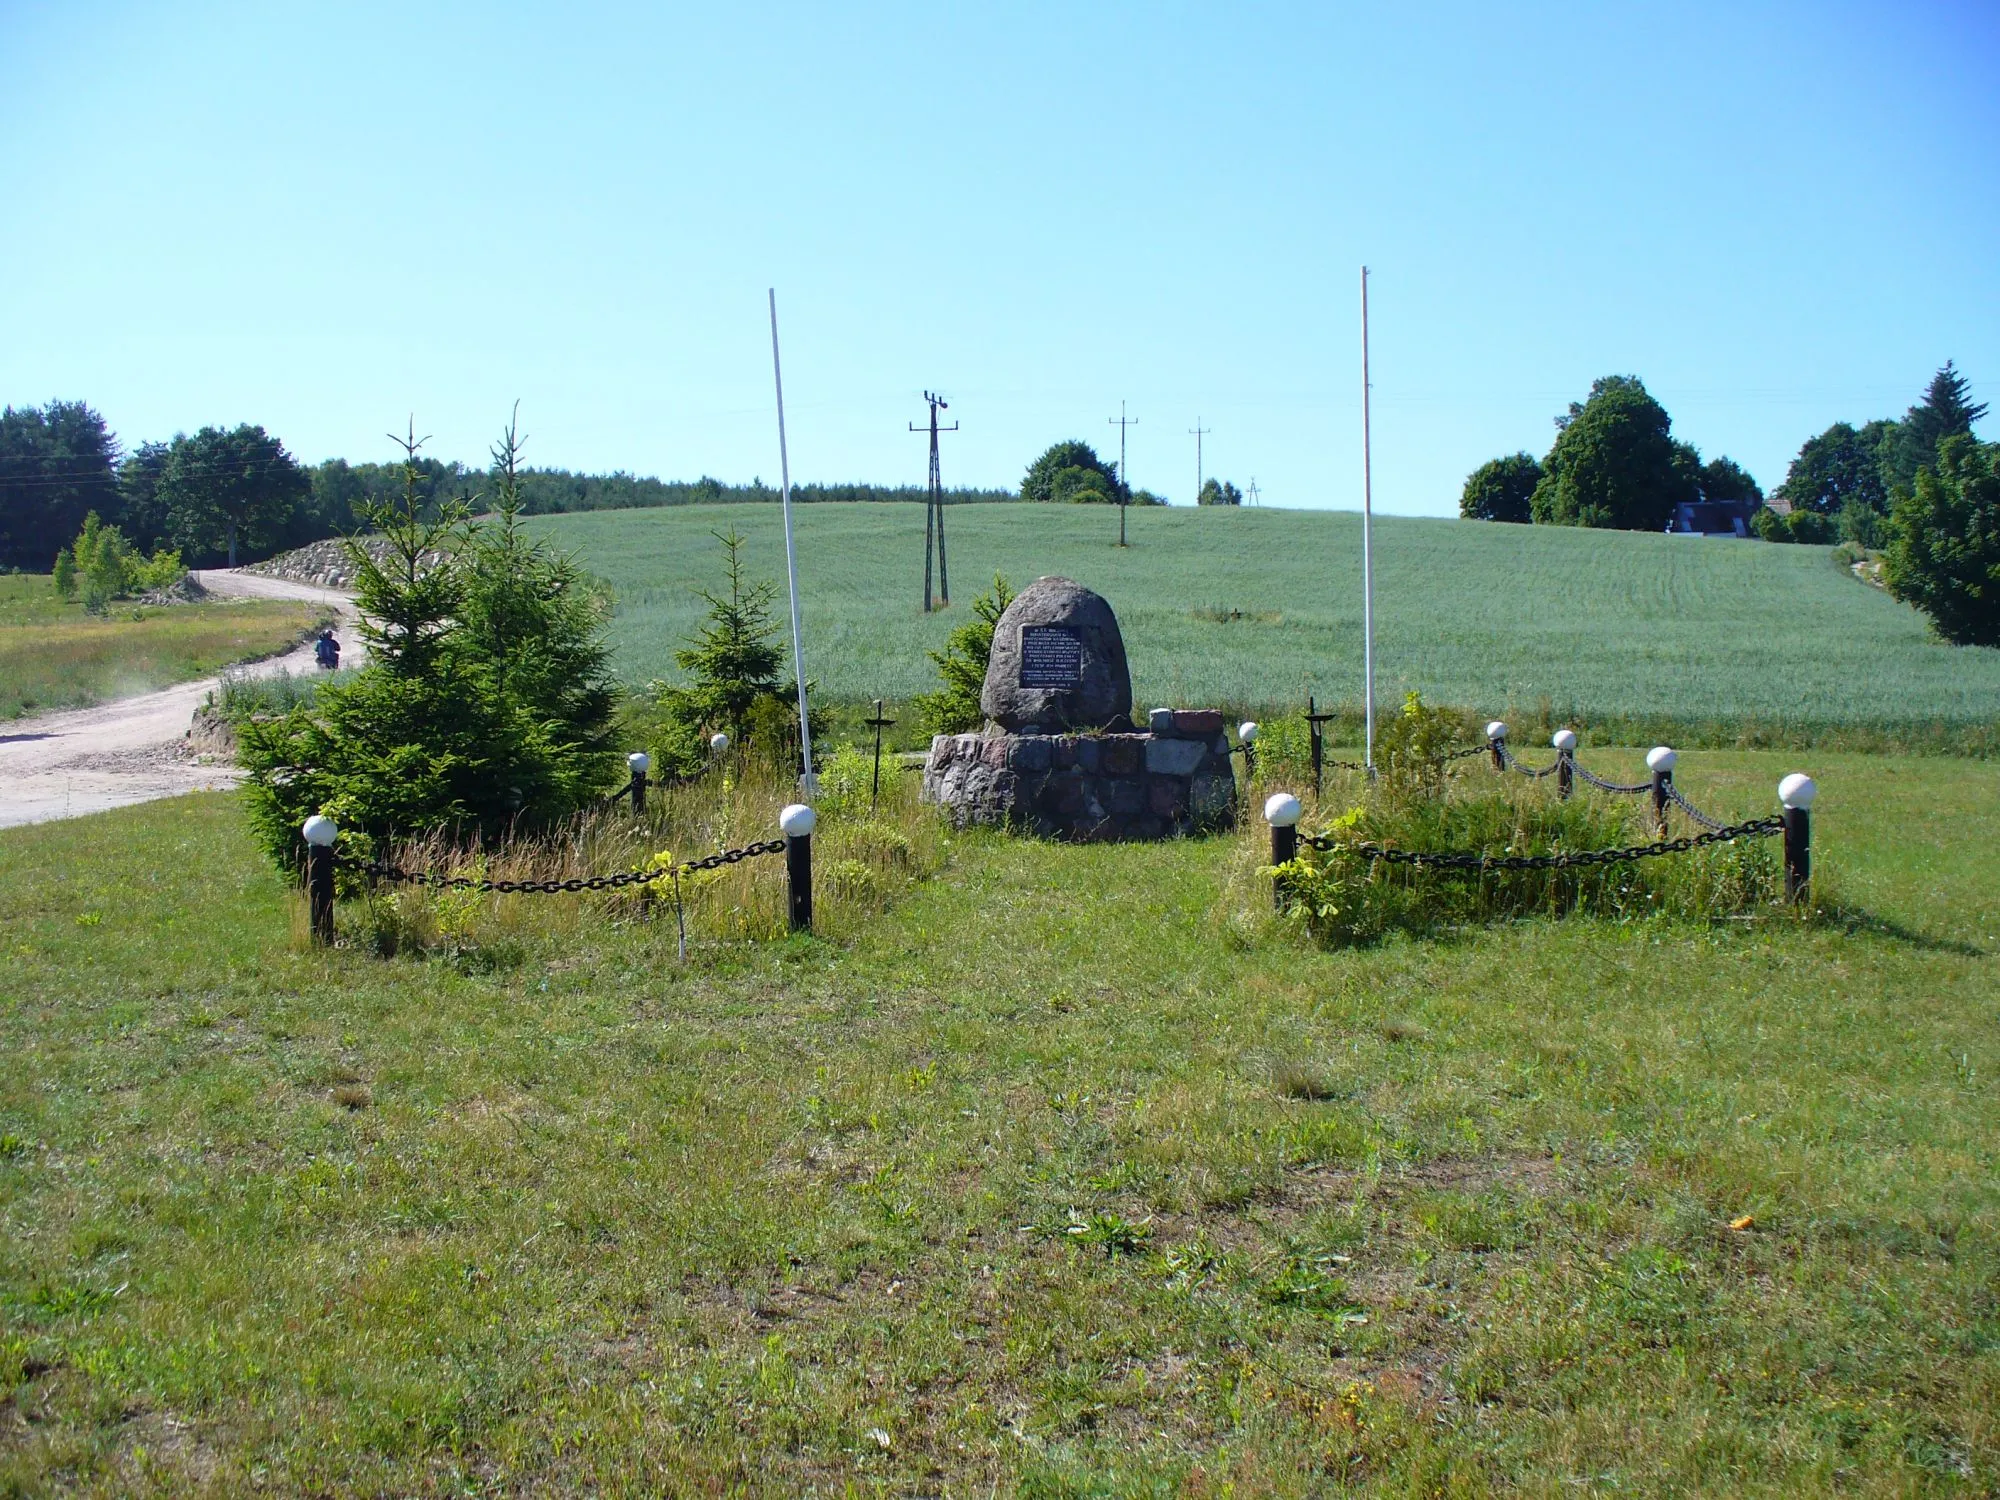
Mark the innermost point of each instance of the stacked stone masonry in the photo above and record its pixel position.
(1174, 779)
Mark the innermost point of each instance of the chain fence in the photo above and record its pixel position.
(1756, 828)
(396, 875)
(1508, 760)
(1625, 788)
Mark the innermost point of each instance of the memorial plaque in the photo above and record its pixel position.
(1051, 657)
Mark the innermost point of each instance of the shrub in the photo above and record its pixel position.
(1411, 747)
(845, 781)
(954, 707)
(1804, 526)
(103, 565)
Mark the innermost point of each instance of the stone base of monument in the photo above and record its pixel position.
(1174, 779)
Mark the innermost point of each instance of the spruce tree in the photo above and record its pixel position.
(538, 617)
(1945, 412)
(734, 657)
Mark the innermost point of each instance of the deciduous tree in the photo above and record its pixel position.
(226, 490)
(1615, 462)
(1833, 470)
(1500, 489)
(58, 463)
(1049, 478)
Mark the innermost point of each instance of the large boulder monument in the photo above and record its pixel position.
(1059, 756)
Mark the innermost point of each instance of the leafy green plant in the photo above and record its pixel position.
(1345, 899)
(102, 564)
(1410, 748)
(954, 707)
(845, 780)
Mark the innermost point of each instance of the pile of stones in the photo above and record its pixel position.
(327, 563)
(1059, 756)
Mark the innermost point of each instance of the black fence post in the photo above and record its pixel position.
(1246, 736)
(1318, 741)
(319, 832)
(1796, 793)
(1282, 811)
(640, 763)
(1660, 761)
(1565, 742)
(797, 823)
(1496, 744)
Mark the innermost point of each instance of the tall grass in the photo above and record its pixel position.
(52, 658)
(240, 695)
(1344, 897)
(1701, 641)
(863, 858)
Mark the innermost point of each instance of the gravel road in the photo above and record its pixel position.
(86, 760)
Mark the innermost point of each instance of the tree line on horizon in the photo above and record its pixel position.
(1923, 490)
(1615, 463)
(229, 495)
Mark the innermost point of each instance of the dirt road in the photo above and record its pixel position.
(85, 760)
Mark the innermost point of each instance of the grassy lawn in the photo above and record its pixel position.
(1253, 609)
(53, 655)
(1068, 1175)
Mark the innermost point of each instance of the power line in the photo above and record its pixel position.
(934, 508)
(1199, 433)
(1121, 422)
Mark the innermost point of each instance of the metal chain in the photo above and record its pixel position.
(617, 796)
(1610, 786)
(1507, 757)
(1757, 828)
(376, 870)
(1695, 814)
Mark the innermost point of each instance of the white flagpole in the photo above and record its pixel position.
(1367, 541)
(808, 783)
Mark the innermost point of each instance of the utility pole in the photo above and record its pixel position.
(1253, 489)
(1199, 432)
(1124, 479)
(934, 509)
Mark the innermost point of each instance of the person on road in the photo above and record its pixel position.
(326, 651)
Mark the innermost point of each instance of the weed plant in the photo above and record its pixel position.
(1343, 898)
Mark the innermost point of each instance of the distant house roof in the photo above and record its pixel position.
(1713, 518)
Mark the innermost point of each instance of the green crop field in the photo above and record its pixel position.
(1252, 609)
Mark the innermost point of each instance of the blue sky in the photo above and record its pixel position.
(326, 218)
